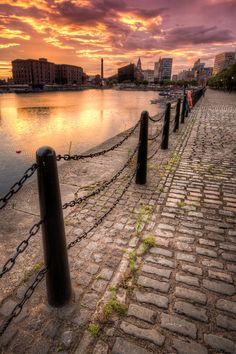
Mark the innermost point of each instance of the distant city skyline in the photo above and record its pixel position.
(82, 32)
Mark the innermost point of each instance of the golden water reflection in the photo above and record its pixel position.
(85, 118)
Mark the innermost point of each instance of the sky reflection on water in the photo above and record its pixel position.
(85, 118)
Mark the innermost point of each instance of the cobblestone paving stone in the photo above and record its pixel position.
(180, 295)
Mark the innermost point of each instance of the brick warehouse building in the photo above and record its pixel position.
(42, 72)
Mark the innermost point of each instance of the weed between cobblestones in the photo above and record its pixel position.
(58, 349)
(98, 277)
(66, 222)
(94, 329)
(181, 204)
(113, 305)
(132, 261)
(38, 266)
(25, 275)
(160, 189)
(174, 160)
(144, 216)
(148, 242)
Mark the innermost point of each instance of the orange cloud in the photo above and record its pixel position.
(8, 45)
(57, 43)
(9, 33)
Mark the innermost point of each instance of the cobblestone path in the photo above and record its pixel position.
(158, 275)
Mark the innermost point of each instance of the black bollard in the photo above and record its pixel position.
(54, 242)
(177, 114)
(166, 127)
(183, 108)
(141, 174)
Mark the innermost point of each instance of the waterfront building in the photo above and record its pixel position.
(139, 65)
(126, 73)
(42, 72)
(148, 75)
(156, 71)
(166, 68)
(69, 74)
(94, 80)
(33, 72)
(186, 75)
(205, 76)
(163, 69)
(223, 61)
(129, 72)
(198, 68)
(199, 73)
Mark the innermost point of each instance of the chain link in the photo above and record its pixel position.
(100, 220)
(155, 136)
(68, 157)
(29, 292)
(78, 201)
(18, 185)
(20, 249)
(158, 119)
(18, 308)
(154, 153)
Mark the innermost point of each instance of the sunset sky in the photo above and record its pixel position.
(80, 32)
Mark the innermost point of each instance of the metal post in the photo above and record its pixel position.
(54, 242)
(165, 133)
(183, 109)
(141, 174)
(177, 114)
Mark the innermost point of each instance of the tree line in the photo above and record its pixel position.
(225, 80)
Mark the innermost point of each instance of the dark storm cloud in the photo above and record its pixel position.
(197, 35)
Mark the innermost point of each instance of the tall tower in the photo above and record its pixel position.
(102, 68)
(139, 65)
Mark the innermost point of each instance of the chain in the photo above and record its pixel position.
(100, 220)
(39, 277)
(29, 292)
(158, 119)
(18, 185)
(153, 154)
(20, 249)
(78, 201)
(155, 136)
(67, 157)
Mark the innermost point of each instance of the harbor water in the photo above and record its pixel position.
(67, 121)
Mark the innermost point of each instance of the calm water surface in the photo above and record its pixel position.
(85, 118)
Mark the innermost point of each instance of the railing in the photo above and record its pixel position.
(56, 266)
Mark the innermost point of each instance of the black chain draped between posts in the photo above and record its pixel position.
(39, 277)
(155, 136)
(27, 295)
(158, 119)
(100, 220)
(18, 185)
(154, 153)
(20, 249)
(78, 201)
(68, 157)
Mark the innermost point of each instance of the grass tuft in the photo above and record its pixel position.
(38, 266)
(113, 305)
(181, 204)
(94, 329)
(132, 261)
(144, 216)
(148, 242)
